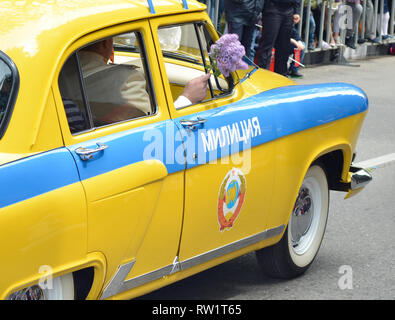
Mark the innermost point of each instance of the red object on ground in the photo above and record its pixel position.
(297, 56)
(272, 60)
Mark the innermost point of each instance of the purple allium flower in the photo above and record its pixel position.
(227, 53)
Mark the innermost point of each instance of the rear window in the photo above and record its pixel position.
(8, 84)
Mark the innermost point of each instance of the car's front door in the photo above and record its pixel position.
(228, 177)
(134, 196)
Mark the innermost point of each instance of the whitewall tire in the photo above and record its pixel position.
(295, 252)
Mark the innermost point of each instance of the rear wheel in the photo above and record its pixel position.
(301, 241)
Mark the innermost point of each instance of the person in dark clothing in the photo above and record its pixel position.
(278, 16)
(212, 10)
(296, 43)
(241, 16)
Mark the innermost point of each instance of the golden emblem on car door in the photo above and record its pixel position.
(231, 198)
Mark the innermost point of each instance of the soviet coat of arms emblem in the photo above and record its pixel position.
(231, 198)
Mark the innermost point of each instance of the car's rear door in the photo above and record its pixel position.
(134, 196)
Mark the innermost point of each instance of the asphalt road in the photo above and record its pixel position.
(359, 244)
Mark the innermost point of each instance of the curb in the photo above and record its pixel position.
(333, 56)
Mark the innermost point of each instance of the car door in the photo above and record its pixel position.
(134, 194)
(229, 175)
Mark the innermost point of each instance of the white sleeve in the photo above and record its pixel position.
(182, 102)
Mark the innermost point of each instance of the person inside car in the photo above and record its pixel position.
(101, 78)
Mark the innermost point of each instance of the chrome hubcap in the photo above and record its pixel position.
(302, 219)
(302, 216)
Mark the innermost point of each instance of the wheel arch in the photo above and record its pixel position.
(336, 162)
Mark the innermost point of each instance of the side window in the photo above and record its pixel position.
(8, 89)
(185, 50)
(100, 84)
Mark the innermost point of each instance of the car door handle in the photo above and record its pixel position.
(192, 123)
(87, 153)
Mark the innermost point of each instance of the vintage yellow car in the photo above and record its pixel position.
(102, 198)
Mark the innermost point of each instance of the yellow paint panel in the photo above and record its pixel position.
(161, 240)
(49, 229)
(352, 193)
(295, 154)
(120, 206)
(128, 178)
(47, 135)
(202, 227)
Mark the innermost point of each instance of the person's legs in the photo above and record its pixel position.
(246, 39)
(236, 28)
(326, 31)
(369, 21)
(386, 20)
(382, 24)
(336, 22)
(251, 56)
(282, 42)
(352, 28)
(312, 27)
(356, 16)
(271, 23)
(311, 31)
(316, 12)
(336, 26)
(244, 33)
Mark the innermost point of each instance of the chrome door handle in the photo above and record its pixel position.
(87, 154)
(192, 123)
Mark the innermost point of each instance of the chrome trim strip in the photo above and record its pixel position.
(176, 266)
(145, 278)
(221, 251)
(116, 286)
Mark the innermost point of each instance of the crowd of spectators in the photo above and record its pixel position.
(264, 25)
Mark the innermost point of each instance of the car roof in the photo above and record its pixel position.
(36, 33)
(24, 22)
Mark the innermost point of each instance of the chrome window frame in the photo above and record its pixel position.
(231, 81)
(147, 75)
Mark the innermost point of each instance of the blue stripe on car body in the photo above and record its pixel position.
(36, 175)
(280, 112)
(128, 147)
